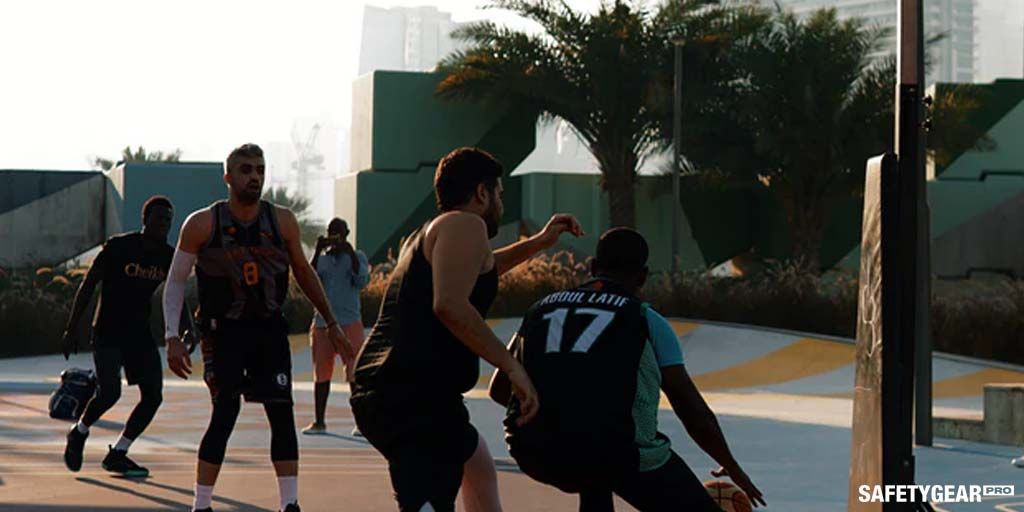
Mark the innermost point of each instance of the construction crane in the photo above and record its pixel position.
(309, 162)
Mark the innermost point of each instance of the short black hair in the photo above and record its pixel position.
(154, 201)
(459, 173)
(338, 221)
(621, 250)
(248, 150)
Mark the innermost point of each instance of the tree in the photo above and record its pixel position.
(813, 106)
(608, 74)
(140, 155)
(309, 229)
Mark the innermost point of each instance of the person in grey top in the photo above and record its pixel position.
(344, 272)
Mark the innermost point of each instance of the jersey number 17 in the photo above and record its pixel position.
(556, 328)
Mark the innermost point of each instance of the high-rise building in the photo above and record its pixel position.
(405, 38)
(953, 56)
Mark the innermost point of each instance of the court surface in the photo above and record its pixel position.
(783, 400)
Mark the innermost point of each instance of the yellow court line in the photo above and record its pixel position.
(973, 384)
(682, 328)
(970, 384)
(806, 357)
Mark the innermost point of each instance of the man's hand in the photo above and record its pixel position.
(558, 224)
(178, 359)
(522, 387)
(341, 343)
(322, 243)
(743, 481)
(69, 343)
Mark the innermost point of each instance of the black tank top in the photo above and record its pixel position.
(242, 272)
(409, 351)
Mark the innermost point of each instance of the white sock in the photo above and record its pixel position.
(289, 488)
(82, 427)
(204, 495)
(123, 443)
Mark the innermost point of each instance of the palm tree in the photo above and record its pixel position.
(139, 155)
(608, 74)
(815, 105)
(309, 229)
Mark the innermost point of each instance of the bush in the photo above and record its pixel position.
(782, 297)
(974, 318)
(34, 307)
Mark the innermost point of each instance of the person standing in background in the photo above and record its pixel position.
(344, 272)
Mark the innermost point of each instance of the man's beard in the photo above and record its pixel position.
(248, 196)
(492, 219)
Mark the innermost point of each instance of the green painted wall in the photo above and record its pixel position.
(1001, 115)
(189, 185)
(400, 131)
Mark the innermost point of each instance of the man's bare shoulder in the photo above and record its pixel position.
(462, 223)
(199, 218)
(197, 229)
(283, 212)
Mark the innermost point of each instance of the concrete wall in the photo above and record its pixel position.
(55, 227)
(20, 187)
(52, 216)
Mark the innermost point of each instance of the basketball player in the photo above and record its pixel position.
(344, 272)
(242, 249)
(130, 267)
(422, 353)
(599, 357)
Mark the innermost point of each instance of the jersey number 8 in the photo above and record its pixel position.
(251, 272)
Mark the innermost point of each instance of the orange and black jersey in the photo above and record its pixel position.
(242, 271)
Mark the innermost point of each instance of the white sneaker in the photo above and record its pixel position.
(315, 429)
(1019, 462)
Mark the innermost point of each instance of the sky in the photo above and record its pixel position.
(83, 79)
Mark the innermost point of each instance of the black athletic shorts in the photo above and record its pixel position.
(669, 488)
(141, 362)
(250, 359)
(426, 441)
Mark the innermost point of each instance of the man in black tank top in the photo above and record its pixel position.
(423, 351)
(129, 269)
(242, 250)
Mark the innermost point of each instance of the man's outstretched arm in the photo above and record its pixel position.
(82, 297)
(511, 255)
(702, 425)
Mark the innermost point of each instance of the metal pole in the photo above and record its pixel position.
(677, 138)
(910, 146)
(913, 258)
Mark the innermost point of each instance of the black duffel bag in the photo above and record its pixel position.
(76, 388)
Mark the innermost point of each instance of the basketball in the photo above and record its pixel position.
(728, 496)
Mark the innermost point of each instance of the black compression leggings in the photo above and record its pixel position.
(284, 445)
